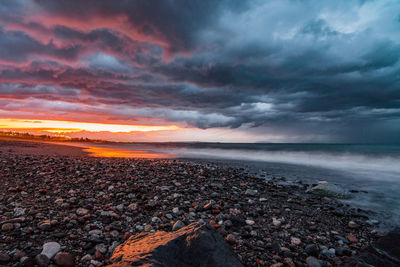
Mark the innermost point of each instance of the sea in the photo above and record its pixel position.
(369, 172)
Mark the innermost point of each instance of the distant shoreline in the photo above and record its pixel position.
(57, 139)
(40, 147)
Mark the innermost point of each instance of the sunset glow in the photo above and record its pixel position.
(70, 126)
(124, 153)
(170, 132)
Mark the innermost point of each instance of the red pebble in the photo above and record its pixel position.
(127, 235)
(98, 255)
(214, 224)
(352, 238)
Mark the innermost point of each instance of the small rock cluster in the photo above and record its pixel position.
(74, 211)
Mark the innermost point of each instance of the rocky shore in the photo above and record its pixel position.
(74, 210)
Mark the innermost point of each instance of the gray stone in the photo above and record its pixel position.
(82, 211)
(95, 232)
(96, 263)
(312, 250)
(175, 210)
(113, 246)
(102, 248)
(120, 207)
(250, 222)
(178, 225)
(251, 192)
(341, 251)
(329, 253)
(86, 258)
(313, 262)
(50, 249)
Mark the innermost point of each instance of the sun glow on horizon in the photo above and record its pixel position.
(72, 126)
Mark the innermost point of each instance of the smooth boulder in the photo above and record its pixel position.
(197, 245)
(329, 190)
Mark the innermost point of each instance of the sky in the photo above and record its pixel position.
(207, 70)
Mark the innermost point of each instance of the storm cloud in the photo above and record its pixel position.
(307, 70)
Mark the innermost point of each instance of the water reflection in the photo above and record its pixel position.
(109, 152)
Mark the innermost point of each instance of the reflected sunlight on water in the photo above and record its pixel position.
(124, 153)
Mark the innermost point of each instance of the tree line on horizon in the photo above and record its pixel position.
(46, 137)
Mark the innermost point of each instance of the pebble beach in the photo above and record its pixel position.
(80, 208)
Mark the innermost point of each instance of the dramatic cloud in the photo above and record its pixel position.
(302, 70)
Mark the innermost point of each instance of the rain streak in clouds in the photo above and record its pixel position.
(301, 70)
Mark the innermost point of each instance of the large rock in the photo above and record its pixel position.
(193, 245)
(329, 190)
(386, 249)
(384, 252)
(389, 246)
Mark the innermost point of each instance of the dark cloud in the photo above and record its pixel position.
(176, 21)
(318, 28)
(24, 90)
(315, 70)
(18, 46)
